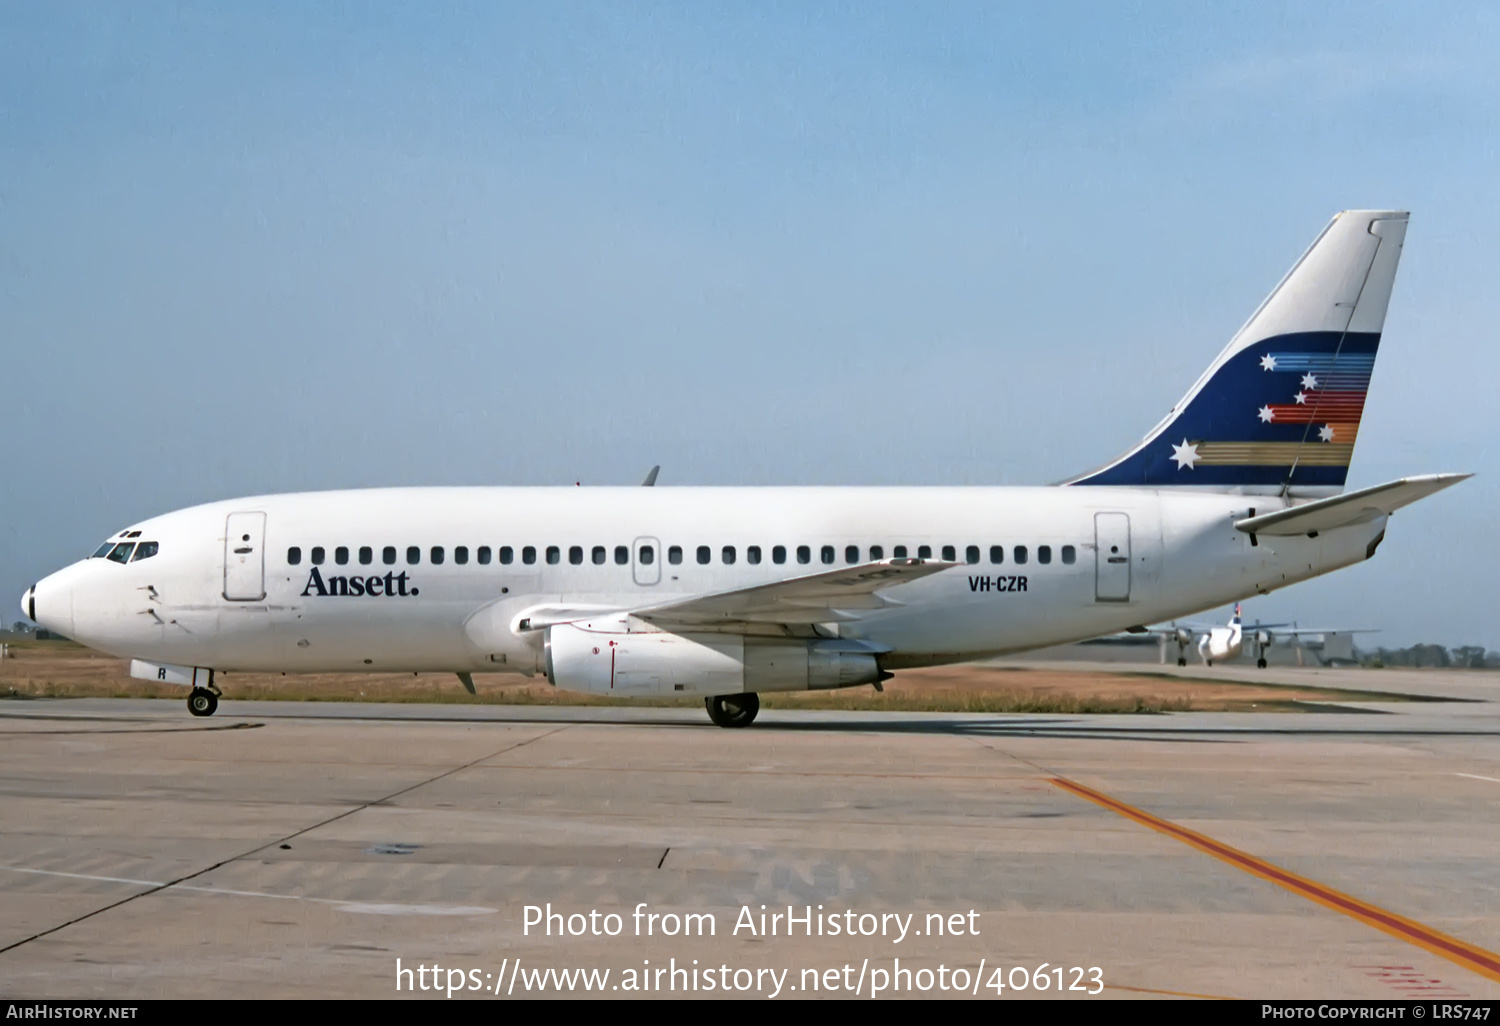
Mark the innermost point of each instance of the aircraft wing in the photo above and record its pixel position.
(817, 598)
(1294, 631)
(1359, 507)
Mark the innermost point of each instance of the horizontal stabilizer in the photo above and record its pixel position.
(817, 598)
(1359, 507)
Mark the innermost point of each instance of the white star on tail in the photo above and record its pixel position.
(1268, 362)
(1309, 381)
(1185, 454)
(1326, 432)
(1301, 397)
(1267, 414)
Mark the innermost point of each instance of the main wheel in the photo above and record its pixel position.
(1181, 661)
(202, 702)
(733, 710)
(1261, 662)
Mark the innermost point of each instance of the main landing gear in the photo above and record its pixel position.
(203, 702)
(733, 710)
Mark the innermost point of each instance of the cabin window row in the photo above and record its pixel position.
(599, 555)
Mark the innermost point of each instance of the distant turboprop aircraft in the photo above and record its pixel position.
(1226, 641)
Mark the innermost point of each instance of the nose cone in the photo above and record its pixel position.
(50, 602)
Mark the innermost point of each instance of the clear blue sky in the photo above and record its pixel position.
(249, 248)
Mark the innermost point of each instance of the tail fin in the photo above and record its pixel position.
(1280, 407)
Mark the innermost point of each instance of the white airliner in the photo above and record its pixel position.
(724, 593)
(1223, 642)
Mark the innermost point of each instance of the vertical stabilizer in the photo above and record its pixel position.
(1281, 405)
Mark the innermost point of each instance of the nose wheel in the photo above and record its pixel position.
(733, 710)
(202, 702)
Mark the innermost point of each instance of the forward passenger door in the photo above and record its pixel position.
(245, 557)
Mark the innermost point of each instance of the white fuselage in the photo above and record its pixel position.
(220, 594)
(1222, 643)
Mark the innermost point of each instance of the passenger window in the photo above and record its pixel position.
(1044, 553)
(145, 550)
(804, 554)
(877, 552)
(528, 555)
(366, 555)
(728, 554)
(778, 554)
(1069, 554)
(899, 552)
(317, 555)
(1020, 553)
(437, 554)
(752, 554)
(554, 555)
(997, 553)
(413, 555)
(924, 551)
(949, 554)
(102, 550)
(575, 555)
(971, 554)
(647, 555)
(674, 555)
(622, 555)
(851, 553)
(388, 555)
(600, 556)
(827, 554)
(460, 554)
(704, 554)
(121, 552)
(482, 555)
(293, 555)
(341, 555)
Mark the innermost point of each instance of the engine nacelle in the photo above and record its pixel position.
(661, 663)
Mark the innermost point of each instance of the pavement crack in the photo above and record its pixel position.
(280, 840)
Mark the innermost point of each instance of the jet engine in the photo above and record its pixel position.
(662, 663)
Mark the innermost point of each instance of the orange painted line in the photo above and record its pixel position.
(1169, 993)
(1475, 959)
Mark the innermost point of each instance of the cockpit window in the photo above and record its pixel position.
(121, 552)
(145, 550)
(102, 550)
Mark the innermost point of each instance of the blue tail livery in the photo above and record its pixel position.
(1279, 409)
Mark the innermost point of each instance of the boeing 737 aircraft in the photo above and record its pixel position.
(724, 593)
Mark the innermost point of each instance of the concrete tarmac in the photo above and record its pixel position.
(297, 849)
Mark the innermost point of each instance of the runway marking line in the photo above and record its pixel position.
(1476, 776)
(1169, 993)
(1475, 959)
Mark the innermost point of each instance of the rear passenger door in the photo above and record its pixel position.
(245, 557)
(1112, 557)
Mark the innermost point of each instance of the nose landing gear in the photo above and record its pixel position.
(203, 702)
